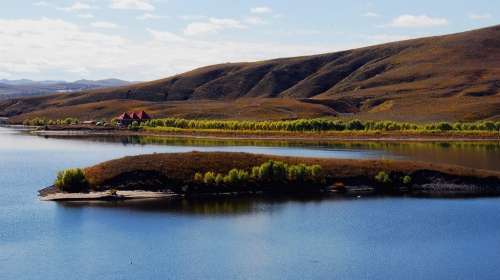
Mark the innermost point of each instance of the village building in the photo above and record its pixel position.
(128, 118)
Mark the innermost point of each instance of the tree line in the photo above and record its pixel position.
(303, 125)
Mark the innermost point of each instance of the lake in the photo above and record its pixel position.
(245, 237)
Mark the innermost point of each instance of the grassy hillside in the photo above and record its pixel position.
(453, 77)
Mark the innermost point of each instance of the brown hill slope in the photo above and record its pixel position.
(453, 77)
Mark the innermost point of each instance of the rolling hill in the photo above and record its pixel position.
(452, 77)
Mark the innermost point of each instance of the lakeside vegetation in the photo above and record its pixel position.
(44, 121)
(300, 125)
(71, 180)
(271, 175)
(316, 125)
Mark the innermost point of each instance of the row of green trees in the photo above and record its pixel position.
(321, 125)
(293, 125)
(43, 121)
(268, 173)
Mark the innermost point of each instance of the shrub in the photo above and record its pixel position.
(317, 173)
(406, 180)
(71, 180)
(219, 179)
(444, 126)
(231, 177)
(266, 171)
(209, 178)
(198, 177)
(355, 125)
(383, 178)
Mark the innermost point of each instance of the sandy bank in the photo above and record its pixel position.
(120, 195)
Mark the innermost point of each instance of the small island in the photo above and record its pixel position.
(216, 173)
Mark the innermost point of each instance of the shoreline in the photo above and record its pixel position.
(447, 192)
(276, 135)
(105, 195)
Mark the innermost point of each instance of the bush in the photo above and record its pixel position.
(198, 177)
(444, 126)
(355, 125)
(71, 180)
(209, 178)
(383, 178)
(219, 179)
(406, 180)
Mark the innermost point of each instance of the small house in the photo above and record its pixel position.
(128, 118)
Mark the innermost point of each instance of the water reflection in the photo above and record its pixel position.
(476, 154)
(209, 206)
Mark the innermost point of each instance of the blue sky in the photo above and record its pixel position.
(150, 39)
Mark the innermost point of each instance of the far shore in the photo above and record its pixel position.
(398, 136)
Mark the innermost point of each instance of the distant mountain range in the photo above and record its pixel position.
(24, 87)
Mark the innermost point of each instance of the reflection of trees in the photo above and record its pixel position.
(360, 145)
(214, 206)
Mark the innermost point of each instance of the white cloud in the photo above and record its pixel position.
(165, 36)
(142, 5)
(417, 21)
(77, 6)
(192, 17)
(86, 16)
(147, 16)
(261, 10)
(303, 32)
(53, 48)
(371, 14)
(52, 45)
(104, 24)
(480, 16)
(212, 25)
(253, 20)
(42, 4)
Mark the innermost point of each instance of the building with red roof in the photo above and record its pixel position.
(129, 117)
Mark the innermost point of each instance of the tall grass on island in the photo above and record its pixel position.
(317, 125)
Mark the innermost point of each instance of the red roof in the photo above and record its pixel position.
(124, 116)
(143, 115)
(140, 115)
(133, 115)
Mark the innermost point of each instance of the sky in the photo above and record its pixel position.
(141, 40)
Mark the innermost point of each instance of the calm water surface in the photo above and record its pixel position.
(243, 238)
